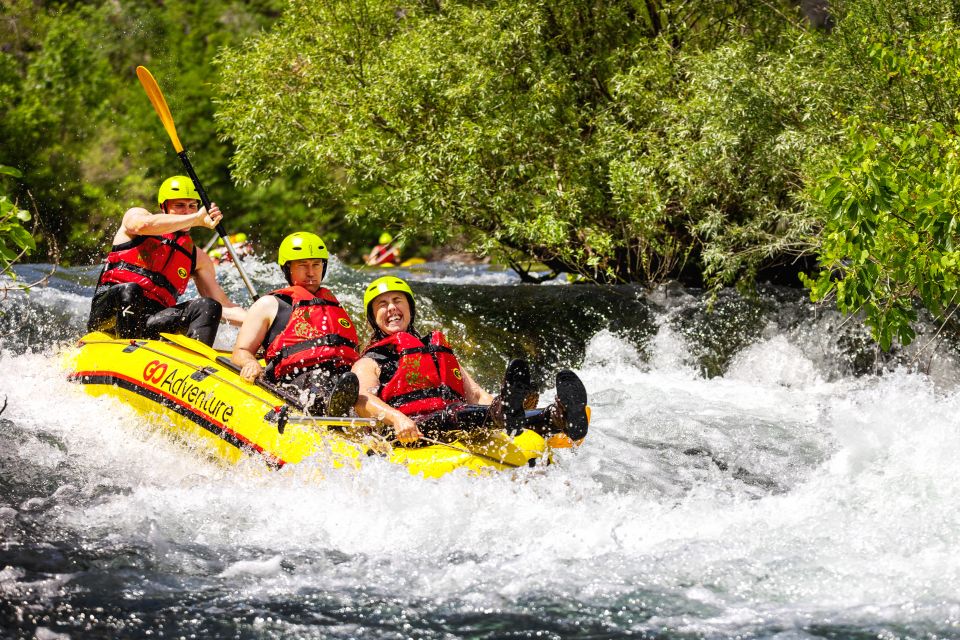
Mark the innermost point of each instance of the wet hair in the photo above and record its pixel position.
(378, 334)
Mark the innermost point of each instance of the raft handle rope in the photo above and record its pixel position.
(371, 423)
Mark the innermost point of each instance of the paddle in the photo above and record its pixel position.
(212, 241)
(160, 105)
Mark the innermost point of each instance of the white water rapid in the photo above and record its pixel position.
(779, 499)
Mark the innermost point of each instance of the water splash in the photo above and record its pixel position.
(784, 497)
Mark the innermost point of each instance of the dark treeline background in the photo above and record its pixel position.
(77, 124)
(717, 142)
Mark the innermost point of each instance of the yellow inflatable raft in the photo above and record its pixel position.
(195, 392)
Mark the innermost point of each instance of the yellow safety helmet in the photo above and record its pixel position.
(301, 245)
(177, 187)
(383, 285)
(385, 238)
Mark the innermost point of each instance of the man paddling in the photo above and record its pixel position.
(149, 266)
(308, 338)
(417, 385)
(386, 252)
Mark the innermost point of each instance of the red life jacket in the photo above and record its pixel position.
(428, 375)
(161, 265)
(319, 331)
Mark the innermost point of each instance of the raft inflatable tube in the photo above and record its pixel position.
(195, 393)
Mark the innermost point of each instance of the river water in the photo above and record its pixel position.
(754, 471)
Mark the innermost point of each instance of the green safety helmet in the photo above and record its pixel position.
(301, 245)
(385, 238)
(383, 285)
(177, 187)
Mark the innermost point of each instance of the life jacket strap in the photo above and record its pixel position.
(176, 246)
(317, 302)
(430, 348)
(152, 276)
(443, 392)
(329, 340)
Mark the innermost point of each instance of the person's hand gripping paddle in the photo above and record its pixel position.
(160, 105)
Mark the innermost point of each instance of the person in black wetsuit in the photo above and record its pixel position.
(149, 266)
(416, 384)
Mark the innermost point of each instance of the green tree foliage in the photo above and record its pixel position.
(77, 125)
(618, 140)
(889, 238)
(15, 241)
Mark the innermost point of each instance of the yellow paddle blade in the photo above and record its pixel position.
(160, 105)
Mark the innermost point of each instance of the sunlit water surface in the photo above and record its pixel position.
(785, 498)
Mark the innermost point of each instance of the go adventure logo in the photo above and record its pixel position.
(185, 388)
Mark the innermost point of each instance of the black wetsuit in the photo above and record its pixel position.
(124, 310)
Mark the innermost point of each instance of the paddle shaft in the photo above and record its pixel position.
(160, 106)
(219, 228)
(211, 242)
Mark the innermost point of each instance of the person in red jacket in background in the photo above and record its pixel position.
(385, 253)
(308, 340)
(149, 266)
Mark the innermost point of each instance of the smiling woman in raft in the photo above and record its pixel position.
(417, 386)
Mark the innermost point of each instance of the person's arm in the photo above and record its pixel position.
(250, 337)
(205, 275)
(140, 222)
(473, 393)
(372, 259)
(370, 406)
